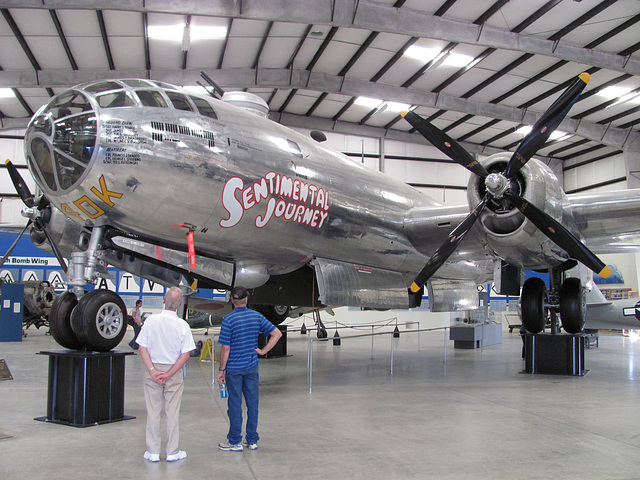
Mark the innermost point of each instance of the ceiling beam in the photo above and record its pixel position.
(305, 80)
(365, 14)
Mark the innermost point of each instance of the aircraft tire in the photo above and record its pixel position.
(573, 305)
(276, 314)
(100, 320)
(534, 293)
(60, 321)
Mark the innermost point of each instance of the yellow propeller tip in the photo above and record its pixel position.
(403, 113)
(415, 288)
(7, 161)
(585, 77)
(194, 285)
(605, 272)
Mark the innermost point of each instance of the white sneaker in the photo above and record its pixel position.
(250, 446)
(152, 457)
(230, 447)
(181, 455)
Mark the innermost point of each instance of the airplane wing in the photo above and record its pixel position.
(607, 220)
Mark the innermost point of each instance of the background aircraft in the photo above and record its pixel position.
(167, 184)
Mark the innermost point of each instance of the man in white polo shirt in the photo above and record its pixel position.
(165, 342)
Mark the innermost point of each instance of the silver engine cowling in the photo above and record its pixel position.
(505, 231)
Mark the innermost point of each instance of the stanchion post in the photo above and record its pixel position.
(308, 348)
(213, 359)
(310, 366)
(371, 342)
(445, 343)
(392, 350)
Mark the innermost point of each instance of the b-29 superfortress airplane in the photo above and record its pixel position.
(166, 184)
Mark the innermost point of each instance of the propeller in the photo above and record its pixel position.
(18, 183)
(32, 212)
(498, 184)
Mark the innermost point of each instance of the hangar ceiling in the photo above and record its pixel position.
(492, 66)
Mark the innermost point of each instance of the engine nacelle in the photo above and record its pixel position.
(63, 231)
(505, 231)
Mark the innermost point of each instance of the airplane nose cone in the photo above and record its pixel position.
(60, 141)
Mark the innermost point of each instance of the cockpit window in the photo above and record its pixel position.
(69, 103)
(164, 85)
(42, 124)
(61, 141)
(76, 137)
(204, 107)
(116, 99)
(179, 101)
(103, 86)
(151, 98)
(41, 159)
(136, 82)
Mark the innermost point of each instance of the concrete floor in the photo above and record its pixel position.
(474, 416)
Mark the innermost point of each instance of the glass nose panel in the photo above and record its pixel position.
(42, 124)
(41, 155)
(76, 137)
(61, 141)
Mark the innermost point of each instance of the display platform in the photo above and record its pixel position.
(280, 348)
(85, 388)
(476, 335)
(558, 354)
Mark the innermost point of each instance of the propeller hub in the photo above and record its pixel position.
(496, 184)
(31, 213)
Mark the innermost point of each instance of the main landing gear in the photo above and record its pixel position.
(539, 306)
(95, 320)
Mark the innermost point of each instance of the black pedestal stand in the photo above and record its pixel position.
(554, 353)
(85, 388)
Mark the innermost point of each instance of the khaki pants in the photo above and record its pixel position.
(156, 396)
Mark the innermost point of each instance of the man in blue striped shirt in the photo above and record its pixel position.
(239, 367)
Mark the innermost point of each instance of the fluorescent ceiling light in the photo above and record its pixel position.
(613, 92)
(6, 93)
(620, 93)
(176, 32)
(558, 134)
(457, 60)
(397, 107)
(421, 53)
(368, 102)
(554, 135)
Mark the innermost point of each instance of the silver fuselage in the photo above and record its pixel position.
(254, 193)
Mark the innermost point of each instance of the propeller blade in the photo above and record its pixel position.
(13, 245)
(559, 235)
(545, 125)
(444, 143)
(448, 246)
(38, 224)
(19, 184)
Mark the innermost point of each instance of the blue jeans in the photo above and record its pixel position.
(136, 332)
(242, 382)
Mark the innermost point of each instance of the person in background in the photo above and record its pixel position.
(239, 367)
(165, 342)
(136, 314)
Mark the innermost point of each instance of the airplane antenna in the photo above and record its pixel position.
(213, 94)
(215, 86)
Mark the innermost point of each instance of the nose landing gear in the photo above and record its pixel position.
(539, 306)
(96, 320)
